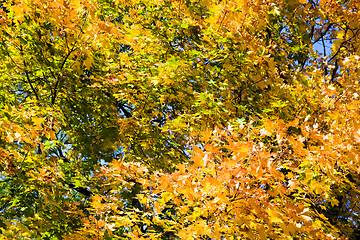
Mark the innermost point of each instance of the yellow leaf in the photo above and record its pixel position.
(52, 135)
(274, 217)
(157, 208)
(306, 218)
(89, 62)
(37, 121)
(262, 233)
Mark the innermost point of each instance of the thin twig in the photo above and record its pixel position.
(65, 59)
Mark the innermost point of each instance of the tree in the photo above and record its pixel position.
(179, 119)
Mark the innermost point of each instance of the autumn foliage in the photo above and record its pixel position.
(153, 119)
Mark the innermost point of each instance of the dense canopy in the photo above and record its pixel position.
(179, 119)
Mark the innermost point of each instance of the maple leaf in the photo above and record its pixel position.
(186, 119)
